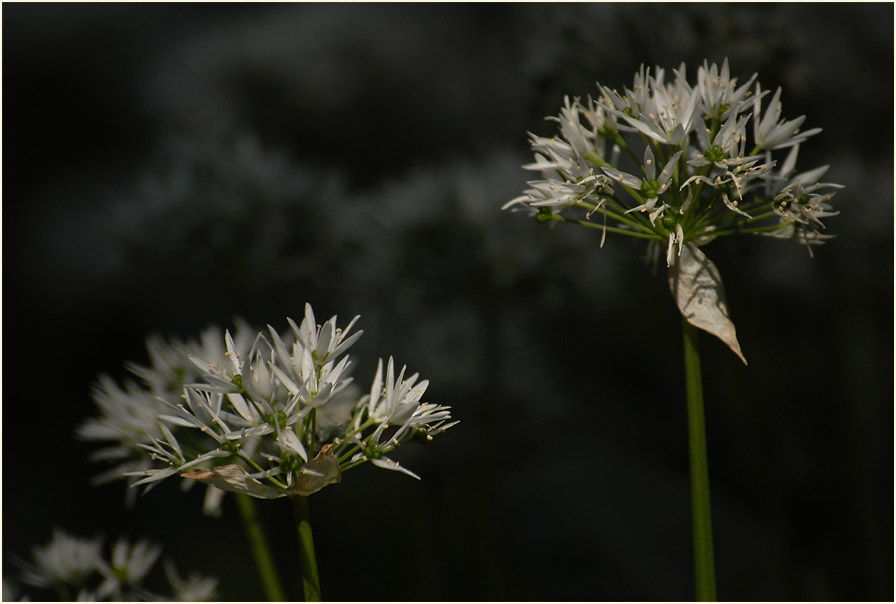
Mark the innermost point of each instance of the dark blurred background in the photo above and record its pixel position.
(170, 166)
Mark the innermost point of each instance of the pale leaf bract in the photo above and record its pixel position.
(696, 285)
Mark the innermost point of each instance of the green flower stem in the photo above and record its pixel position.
(347, 455)
(307, 559)
(703, 556)
(384, 450)
(758, 217)
(353, 464)
(609, 229)
(681, 172)
(610, 212)
(617, 138)
(741, 231)
(258, 468)
(698, 196)
(266, 569)
(633, 194)
(345, 441)
(659, 153)
(310, 425)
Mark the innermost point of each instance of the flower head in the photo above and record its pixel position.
(79, 568)
(719, 92)
(269, 415)
(128, 418)
(719, 176)
(65, 559)
(770, 133)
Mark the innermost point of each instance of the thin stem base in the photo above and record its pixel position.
(267, 572)
(307, 559)
(700, 506)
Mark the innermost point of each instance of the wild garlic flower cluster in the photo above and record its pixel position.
(78, 568)
(707, 160)
(129, 413)
(680, 165)
(264, 414)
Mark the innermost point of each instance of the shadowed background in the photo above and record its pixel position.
(167, 167)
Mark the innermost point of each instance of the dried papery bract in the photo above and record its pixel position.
(697, 288)
(312, 477)
(235, 479)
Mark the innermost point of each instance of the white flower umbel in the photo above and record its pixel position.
(195, 588)
(270, 416)
(394, 410)
(696, 171)
(129, 565)
(265, 415)
(710, 186)
(65, 560)
(78, 568)
(128, 418)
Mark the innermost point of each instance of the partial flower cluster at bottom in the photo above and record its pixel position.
(78, 568)
(264, 413)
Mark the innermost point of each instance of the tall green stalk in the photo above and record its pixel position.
(267, 572)
(702, 520)
(307, 559)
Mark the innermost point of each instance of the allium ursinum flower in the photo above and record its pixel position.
(129, 414)
(277, 415)
(65, 560)
(77, 568)
(698, 171)
(395, 403)
(195, 588)
(129, 565)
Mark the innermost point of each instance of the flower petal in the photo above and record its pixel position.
(390, 464)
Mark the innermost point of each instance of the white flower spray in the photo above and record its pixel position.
(267, 416)
(698, 172)
(281, 411)
(79, 568)
(693, 181)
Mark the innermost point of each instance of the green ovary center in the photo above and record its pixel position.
(650, 188)
(291, 462)
(669, 223)
(716, 153)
